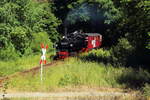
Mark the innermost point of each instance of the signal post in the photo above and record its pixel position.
(43, 60)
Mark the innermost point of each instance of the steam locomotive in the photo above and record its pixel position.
(76, 42)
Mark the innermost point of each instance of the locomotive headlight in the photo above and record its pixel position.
(56, 45)
(71, 45)
(63, 37)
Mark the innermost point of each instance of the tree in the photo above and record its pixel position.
(39, 17)
(19, 19)
(121, 52)
(85, 10)
(148, 45)
(135, 21)
(20, 37)
(134, 26)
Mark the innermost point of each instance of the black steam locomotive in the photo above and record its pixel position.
(76, 42)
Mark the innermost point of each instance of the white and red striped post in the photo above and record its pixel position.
(43, 59)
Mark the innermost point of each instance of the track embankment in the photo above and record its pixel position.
(78, 94)
(33, 71)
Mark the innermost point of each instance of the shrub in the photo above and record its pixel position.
(20, 19)
(148, 45)
(135, 78)
(121, 51)
(69, 80)
(39, 38)
(146, 90)
(8, 53)
(20, 38)
(40, 18)
(99, 55)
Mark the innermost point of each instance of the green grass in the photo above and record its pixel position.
(73, 72)
(81, 71)
(146, 91)
(10, 67)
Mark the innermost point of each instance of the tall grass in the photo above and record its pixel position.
(12, 66)
(79, 71)
(73, 72)
(146, 91)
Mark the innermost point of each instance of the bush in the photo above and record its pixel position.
(100, 55)
(40, 18)
(8, 53)
(121, 52)
(39, 38)
(20, 38)
(135, 78)
(69, 80)
(148, 45)
(20, 19)
(116, 55)
(146, 90)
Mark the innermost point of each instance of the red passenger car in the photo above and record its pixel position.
(94, 40)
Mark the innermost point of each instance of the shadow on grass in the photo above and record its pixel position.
(94, 58)
(131, 77)
(134, 78)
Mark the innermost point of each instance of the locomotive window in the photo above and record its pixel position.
(100, 38)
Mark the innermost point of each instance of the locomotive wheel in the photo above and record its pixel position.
(73, 54)
(55, 57)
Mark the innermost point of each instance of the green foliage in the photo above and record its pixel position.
(134, 79)
(86, 10)
(4, 36)
(40, 19)
(73, 72)
(8, 53)
(99, 55)
(20, 37)
(19, 19)
(69, 80)
(7, 50)
(148, 45)
(121, 51)
(39, 38)
(146, 90)
(134, 23)
(61, 8)
(23, 63)
(8, 13)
